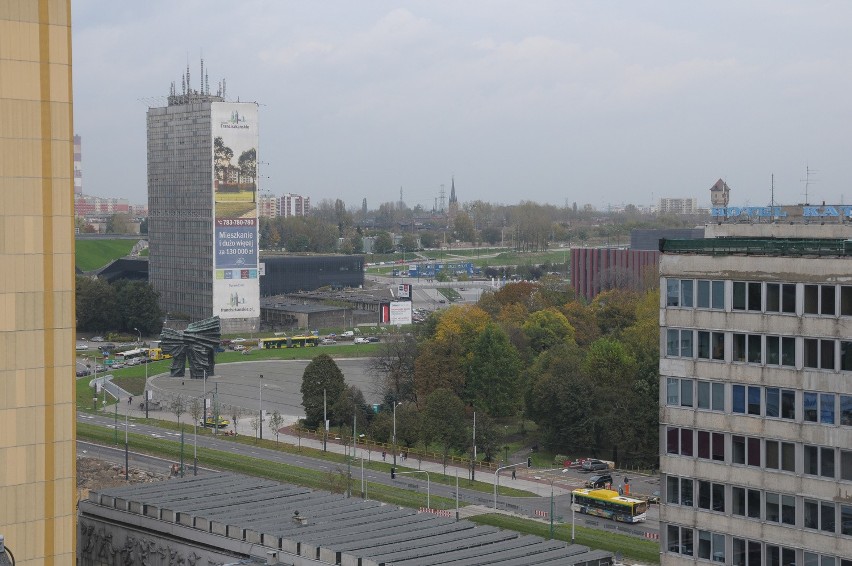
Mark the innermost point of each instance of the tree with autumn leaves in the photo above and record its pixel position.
(585, 373)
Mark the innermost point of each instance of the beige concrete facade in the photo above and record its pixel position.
(721, 506)
(37, 455)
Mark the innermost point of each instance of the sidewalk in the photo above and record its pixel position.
(526, 477)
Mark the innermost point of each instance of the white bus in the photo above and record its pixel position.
(140, 354)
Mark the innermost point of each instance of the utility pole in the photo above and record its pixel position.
(349, 461)
(473, 462)
(324, 423)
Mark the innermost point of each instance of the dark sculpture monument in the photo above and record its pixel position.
(198, 343)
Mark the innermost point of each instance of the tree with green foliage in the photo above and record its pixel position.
(96, 306)
(443, 423)
(488, 437)
(615, 310)
(118, 224)
(428, 239)
(383, 243)
(492, 374)
(463, 228)
(612, 370)
(439, 365)
(558, 399)
(351, 403)
(408, 243)
(138, 307)
(547, 328)
(321, 374)
(276, 421)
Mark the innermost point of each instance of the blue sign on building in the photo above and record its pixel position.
(432, 269)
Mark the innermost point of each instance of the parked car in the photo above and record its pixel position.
(593, 465)
(82, 347)
(598, 481)
(373, 339)
(238, 340)
(98, 339)
(82, 372)
(348, 334)
(328, 341)
(362, 340)
(238, 347)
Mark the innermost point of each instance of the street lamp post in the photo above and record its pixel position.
(428, 484)
(394, 431)
(497, 480)
(260, 404)
(126, 451)
(140, 335)
(324, 423)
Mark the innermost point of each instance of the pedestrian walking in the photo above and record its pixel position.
(513, 473)
(384, 454)
(130, 400)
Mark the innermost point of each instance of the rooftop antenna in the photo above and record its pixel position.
(772, 190)
(188, 87)
(202, 75)
(807, 181)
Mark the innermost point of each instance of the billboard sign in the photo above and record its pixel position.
(236, 286)
(400, 313)
(404, 291)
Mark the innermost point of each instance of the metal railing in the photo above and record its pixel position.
(417, 454)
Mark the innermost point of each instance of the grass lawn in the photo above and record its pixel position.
(640, 550)
(94, 254)
(333, 480)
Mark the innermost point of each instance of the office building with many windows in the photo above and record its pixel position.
(756, 394)
(202, 207)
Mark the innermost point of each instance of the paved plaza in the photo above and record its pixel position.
(279, 390)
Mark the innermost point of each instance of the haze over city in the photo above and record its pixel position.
(551, 101)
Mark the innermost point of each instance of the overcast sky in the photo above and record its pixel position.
(553, 101)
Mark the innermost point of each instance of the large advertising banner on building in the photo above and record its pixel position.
(236, 286)
(400, 313)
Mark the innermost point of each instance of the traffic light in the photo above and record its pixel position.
(529, 462)
(393, 473)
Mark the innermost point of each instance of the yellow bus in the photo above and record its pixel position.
(157, 354)
(289, 342)
(608, 504)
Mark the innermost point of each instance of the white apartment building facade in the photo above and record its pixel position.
(268, 206)
(671, 205)
(294, 205)
(756, 398)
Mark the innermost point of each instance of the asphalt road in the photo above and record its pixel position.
(537, 481)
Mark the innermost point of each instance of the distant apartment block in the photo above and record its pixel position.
(669, 205)
(294, 205)
(268, 206)
(78, 165)
(86, 206)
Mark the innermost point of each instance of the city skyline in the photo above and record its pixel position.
(546, 101)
